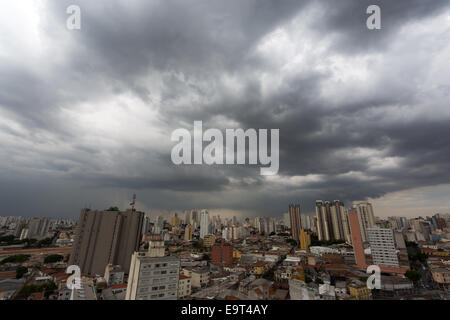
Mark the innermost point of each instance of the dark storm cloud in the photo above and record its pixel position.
(343, 21)
(362, 136)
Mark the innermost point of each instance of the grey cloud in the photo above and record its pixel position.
(175, 56)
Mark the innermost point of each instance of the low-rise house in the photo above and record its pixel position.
(359, 291)
(184, 286)
(441, 276)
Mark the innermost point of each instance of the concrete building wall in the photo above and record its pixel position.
(104, 237)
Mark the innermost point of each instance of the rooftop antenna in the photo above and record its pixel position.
(133, 203)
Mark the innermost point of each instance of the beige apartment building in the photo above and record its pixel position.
(184, 286)
(153, 274)
(104, 237)
(199, 276)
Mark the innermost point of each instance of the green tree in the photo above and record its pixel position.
(291, 242)
(205, 257)
(44, 242)
(197, 244)
(15, 259)
(413, 275)
(307, 279)
(53, 258)
(269, 275)
(20, 271)
(26, 291)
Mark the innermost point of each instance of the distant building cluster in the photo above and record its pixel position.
(126, 255)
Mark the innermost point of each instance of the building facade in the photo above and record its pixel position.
(153, 275)
(222, 254)
(104, 237)
(382, 246)
(295, 220)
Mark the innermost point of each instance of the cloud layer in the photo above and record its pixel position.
(86, 115)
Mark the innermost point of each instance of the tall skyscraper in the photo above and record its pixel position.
(159, 225)
(175, 221)
(357, 240)
(204, 224)
(195, 218)
(187, 217)
(295, 219)
(222, 254)
(104, 237)
(153, 275)
(260, 225)
(305, 240)
(366, 218)
(38, 228)
(323, 216)
(145, 224)
(382, 247)
(188, 233)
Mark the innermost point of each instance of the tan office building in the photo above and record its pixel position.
(104, 237)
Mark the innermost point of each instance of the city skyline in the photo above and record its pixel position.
(86, 115)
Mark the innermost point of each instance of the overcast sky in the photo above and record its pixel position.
(86, 115)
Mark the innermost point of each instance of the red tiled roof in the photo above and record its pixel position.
(37, 296)
(258, 291)
(49, 271)
(7, 274)
(119, 286)
(335, 266)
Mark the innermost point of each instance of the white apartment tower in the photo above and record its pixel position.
(382, 246)
(153, 275)
(366, 218)
(204, 224)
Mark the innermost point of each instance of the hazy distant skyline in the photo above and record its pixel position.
(86, 115)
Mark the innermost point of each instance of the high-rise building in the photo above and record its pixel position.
(159, 225)
(357, 240)
(145, 225)
(175, 221)
(295, 219)
(260, 225)
(187, 217)
(153, 275)
(323, 216)
(305, 240)
(38, 228)
(332, 221)
(195, 220)
(222, 254)
(287, 220)
(339, 220)
(382, 247)
(188, 233)
(114, 275)
(366, 218)
(204, 224)
(104, 237)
